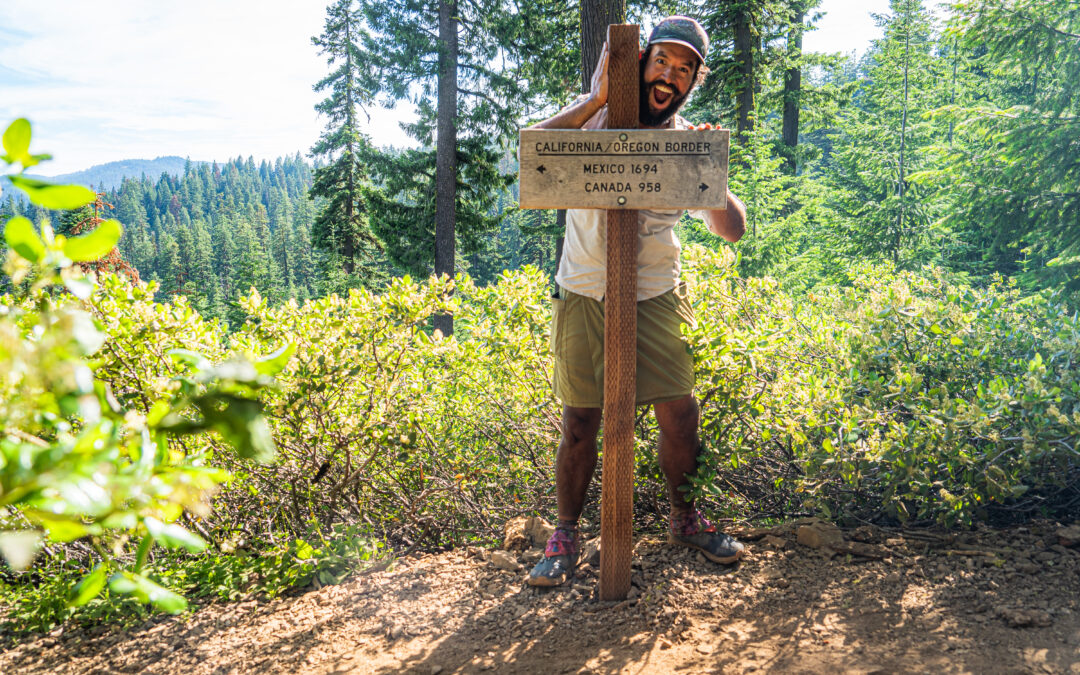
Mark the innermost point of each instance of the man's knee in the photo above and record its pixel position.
(580, 424)
(678, 420)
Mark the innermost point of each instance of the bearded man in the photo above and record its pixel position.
(671, 65)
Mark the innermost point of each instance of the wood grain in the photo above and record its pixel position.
(620, 339)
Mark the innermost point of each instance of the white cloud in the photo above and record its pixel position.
(211, 80)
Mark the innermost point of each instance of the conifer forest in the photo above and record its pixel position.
(249, 378)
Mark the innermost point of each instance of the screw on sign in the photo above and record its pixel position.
(621, 169)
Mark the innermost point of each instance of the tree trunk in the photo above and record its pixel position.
(595, 17)
(793, 88)
(446, 152)
(744, 53)
(903, 140)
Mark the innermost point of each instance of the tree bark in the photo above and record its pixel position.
(596, 15)
(446, 152)
(744, 53)
(793, 88)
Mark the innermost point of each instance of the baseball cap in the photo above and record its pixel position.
(684, 31)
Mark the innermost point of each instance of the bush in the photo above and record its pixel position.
(900, 397)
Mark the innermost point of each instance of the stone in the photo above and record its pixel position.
(590, 552)
(779, 543)
(525, 532)
(1069, 536)
(819, 535)
(504, 561)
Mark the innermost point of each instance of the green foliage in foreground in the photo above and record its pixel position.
(896, 398)
(76, 464)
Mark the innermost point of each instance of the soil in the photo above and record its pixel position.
(807, 599)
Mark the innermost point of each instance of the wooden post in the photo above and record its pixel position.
(620, 337)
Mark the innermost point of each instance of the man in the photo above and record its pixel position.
(672, 64)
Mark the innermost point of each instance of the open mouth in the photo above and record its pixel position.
(661, 94)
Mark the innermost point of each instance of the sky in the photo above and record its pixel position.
(207, 79)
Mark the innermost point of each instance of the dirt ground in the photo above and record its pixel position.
(808, 599)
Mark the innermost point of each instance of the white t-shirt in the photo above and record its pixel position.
(583, 267)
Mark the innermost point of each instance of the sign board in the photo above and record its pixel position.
(613, 169)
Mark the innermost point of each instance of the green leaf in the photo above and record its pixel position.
(88, 587)
(51, 196)
(144, 590)
(174, 536)
(274, 363)
(94, 244)
(22, 238)
(17, 140)
(59, 529)
(304, 550)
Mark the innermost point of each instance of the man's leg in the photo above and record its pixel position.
(679, 448)
(575, 463)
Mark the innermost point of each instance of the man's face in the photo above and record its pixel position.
(666, 81)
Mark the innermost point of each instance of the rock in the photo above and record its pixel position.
(436, 669)
(1024, 618)
(779, 543)
(532, 556)
(1069, 536)
(525, 532)
(819, 535)
(504, 561)
(590, 552)
(705, 648)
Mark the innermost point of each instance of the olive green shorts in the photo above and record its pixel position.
(665, 366)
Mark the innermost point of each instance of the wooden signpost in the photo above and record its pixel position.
(621, 169)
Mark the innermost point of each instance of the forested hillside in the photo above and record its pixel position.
(257, 376)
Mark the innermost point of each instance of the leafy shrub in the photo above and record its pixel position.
(75, 463)
(901, 396)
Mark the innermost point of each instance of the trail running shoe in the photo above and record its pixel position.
(560, 558)
(693, 531)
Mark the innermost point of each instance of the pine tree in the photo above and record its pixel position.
(341, 228)
(1012, 168)
(886, 137)
(446, 58)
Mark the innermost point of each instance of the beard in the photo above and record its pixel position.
(646, 116)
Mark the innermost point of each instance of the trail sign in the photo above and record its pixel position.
(643, 169)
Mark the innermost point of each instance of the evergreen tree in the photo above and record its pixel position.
(1012, 171)
(446, 58)
(885, 138)
(342, 226)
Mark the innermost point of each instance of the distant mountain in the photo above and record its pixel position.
(111, 174)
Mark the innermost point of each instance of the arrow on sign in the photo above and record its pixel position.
(703, 187)
(541, 168)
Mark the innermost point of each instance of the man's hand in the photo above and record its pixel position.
(702, 127)
(598, 91)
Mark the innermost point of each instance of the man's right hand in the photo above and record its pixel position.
(598, 91)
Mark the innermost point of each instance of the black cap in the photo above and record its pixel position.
(684, 31)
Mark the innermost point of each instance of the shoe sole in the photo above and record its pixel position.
(545, 582)
(715, 558)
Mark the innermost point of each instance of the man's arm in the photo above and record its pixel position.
(729, 223)
(575, 115)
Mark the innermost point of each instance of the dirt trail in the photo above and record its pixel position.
(870, 601)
